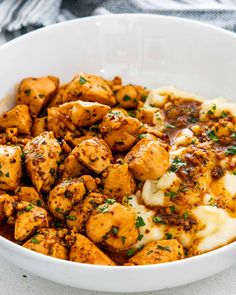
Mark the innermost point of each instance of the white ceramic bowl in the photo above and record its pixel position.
(144, 49)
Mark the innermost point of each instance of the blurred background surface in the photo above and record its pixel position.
(21, 16)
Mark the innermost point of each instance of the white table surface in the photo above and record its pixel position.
(14, 282)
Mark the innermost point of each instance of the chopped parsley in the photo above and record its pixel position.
(158, 219)
(103, 209)
(234, 173)
(212, 110)
(59, 210)
(140, 237)
(143, 98)
(7, 174)
(27, 92)
(176, 164)
(115, 230)
(193, 119)
(29, 207)
(224, 114)
(39, 203)
(164, 248)
(142, 135)
(34, 240)
(233, 135)
(172, 209)
(71, 217)
(52, 171)
(126, 98)
(171, 194)
(149, 252)
(82, 80)
(123, 240)
(211, 134)
(110, 201)
(169, 126)
(139, 222)
(231, 150)
(130, 252)
(185, 215)
(168, 236)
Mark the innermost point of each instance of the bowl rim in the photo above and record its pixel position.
(11, 246)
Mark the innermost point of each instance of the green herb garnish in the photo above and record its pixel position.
(139, 222)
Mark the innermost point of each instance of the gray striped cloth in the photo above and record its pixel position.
(20, 16)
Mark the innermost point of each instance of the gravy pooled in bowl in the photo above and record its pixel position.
(99, 172)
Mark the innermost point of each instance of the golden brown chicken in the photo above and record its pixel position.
(158, 252)
(36, 93)
(84, 251)
(10, 167)
(42, 155)
(48, 241)
(113, 225)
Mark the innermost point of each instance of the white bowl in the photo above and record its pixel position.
(144, 49)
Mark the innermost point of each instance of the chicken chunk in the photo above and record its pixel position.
(120, 132)
(48, 242)
(118, 181)
(28, 220)
(81, 212)
(113, 225)
(29, 194)
(18, 117)
(42, 155)
(6, 205)
(64, 196)
(36, 93)
(158, 252)
(94, 154)
(56, 122)
(84, 251)
(128, 96)
(148, 159)
(39, 126)
(10, 167)
(72, 167)
(83, 113)
(88, 88)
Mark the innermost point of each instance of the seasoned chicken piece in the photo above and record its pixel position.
(148, 159)
(89, 88)
(72, 167)
(84, 251)
(81, 212)
(39, 126)
(28, 220)
(120, 132)
(42, 155)
(83, 113)
(159, 252)
(58, 98)
(151, 116)
(29, 194)
(128, 96)
(113, 225)
(48, 242)
(36, 93)
(10, 167)
(7, 205)
(118, 181)
(64, 196)
(18, 117)
(2, 200)
(89, 182)
(56, 122)
(94, 154)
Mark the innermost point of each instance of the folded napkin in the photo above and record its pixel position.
(20, 16)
